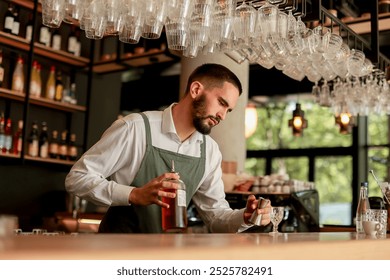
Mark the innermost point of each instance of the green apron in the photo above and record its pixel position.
(147, 219)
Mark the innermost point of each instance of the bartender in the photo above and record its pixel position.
(128, 168)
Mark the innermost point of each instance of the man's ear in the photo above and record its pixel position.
(195, 89)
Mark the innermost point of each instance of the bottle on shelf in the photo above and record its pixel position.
(9, 19)
(56, 39)
(2, 132)
(51, 84)
(53, 146)
(34, 80)
(43, 141)
(39, 80)
(1, 68)
(63, 146)
(73, 98)
(363, 205)
(66, 92)
(18, 76)
(33, 141)
(29, 28)
(44, 35)
(16, 22)
(7, 137)
(72, 149)
(18, 139)
(72, 41)
(59, 87)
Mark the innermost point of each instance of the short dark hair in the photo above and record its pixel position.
(213, 75)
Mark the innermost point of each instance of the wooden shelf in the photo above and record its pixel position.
(12, 95)
(27, 4)
(44, 102)
(9, 155)
(14, 41)
(50, 160)
(136, 60)
(60, 56)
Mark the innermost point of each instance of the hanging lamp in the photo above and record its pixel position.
(298, 121)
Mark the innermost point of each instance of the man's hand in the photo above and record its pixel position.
(251, 205)
(152, 192)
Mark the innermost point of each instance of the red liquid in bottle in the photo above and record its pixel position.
(174, 218)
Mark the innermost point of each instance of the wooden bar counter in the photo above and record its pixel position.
(244, 246)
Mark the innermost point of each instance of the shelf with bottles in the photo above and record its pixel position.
(53, 148)
(41, 101)
(40, 49)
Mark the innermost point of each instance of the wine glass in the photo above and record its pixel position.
(276, 215)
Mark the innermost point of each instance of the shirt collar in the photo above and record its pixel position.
(168, 126)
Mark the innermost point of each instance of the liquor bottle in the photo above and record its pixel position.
(59, 87)
(63, 146)
(363, 205)
(44, 36)
(18, 76)
(77, 47)
(43, 141)
(8, 19)
(72, 94)
(16, 22)
(34, 80)
(18, 139)
(39, 81)
(56, 40)
(7, 137)
(33, 141)
(2, 132)
(174, 218)
(51, 84)
(53, 146)
(72, 149)
(29, 28)
(1, 68)
(72, 41)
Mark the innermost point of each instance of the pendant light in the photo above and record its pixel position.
(345, 121)
(298, 121)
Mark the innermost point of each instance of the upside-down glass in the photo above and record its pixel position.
(133, 21)
(53, 12)
(276, 215)
(155, 18)
(113, 12)
(244, 23)
(94, 20)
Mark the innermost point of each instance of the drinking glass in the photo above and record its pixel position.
(244, 23)
(276, 215)
(133, 22)
(53, 12)
(155, 18)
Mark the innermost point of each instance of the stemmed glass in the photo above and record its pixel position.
(276, 216)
